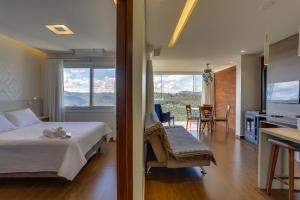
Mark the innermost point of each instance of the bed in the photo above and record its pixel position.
(25, 152)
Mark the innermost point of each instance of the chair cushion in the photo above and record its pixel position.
(205, 119)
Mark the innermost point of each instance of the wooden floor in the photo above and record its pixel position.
(97, 181)
(234, 177)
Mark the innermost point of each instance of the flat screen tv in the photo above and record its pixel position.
(283, 92)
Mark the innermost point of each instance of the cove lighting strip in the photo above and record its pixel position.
(187, 11)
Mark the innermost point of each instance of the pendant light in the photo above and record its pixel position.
(266, 50)
(208, 75)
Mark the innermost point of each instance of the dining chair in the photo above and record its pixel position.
(190, 117)
(223, 118)
(206, 117)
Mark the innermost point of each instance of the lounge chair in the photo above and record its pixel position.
(163, 117)
(174, 147)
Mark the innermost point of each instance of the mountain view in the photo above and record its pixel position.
(77, 99)
(175, 91)
(175, 103)
(77, 88)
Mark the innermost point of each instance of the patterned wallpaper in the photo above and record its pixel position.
(20, 75)
(9, 87)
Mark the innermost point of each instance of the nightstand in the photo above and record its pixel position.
(44, 118)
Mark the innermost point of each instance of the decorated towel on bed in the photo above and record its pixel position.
(59, 132)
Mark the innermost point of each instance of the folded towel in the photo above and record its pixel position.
(56, 132)
(60, 132)
(49, 133)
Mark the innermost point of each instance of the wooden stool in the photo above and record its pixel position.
(291, 148)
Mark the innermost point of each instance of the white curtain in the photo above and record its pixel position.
(54, 85)
(150, 88)
(208, 93)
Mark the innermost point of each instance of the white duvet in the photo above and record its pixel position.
(27, 150)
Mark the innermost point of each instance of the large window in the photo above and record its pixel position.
(89, 86)
(174, 91)
(104, 87)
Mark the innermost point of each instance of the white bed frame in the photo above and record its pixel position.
(50, 174)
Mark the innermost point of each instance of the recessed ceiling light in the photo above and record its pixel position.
(267, 4)
(187, 11)
(243, 51)
(60, 29)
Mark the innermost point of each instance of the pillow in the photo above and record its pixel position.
(154, 116)
(22, 118)
(150, 119)
(158, 129)
(5, 125)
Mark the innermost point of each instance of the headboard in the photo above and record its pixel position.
(34, 105)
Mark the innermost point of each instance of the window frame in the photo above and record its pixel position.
(92, 67)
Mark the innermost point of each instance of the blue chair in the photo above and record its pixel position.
(163, 117)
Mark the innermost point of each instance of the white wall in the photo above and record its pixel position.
(20, 70)
(139, 95)
(248, 89)
(238, 96)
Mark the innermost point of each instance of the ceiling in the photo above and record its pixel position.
(93, 21)
(215, 33)
(218, 30)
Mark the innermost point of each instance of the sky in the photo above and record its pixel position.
(176, 83)
(77, 80)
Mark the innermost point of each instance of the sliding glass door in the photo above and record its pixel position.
(174, 91)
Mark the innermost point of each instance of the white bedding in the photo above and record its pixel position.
(27, 150)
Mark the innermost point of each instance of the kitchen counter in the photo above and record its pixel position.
(265, 153)
(280, 121)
